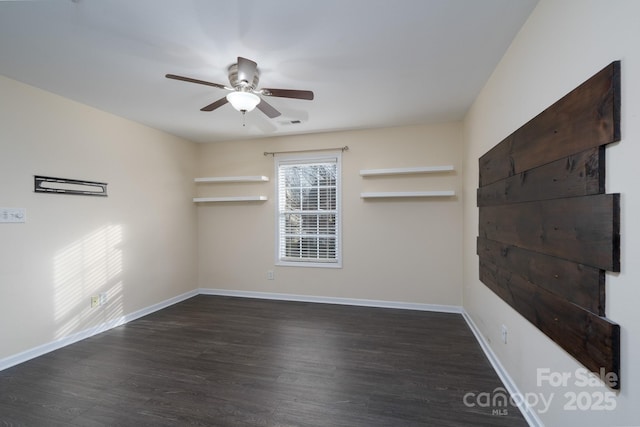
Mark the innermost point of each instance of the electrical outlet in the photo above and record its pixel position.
(503, 330)
(95, 301)
(270, 275)
(103, 298)
(13, 215)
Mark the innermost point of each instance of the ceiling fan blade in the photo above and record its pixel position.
(288, 93)
(190, 80)
(219, 103)
(246, 70)
(268, 109)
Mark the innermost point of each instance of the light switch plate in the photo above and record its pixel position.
(13, 215)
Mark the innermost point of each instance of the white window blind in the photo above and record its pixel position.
(308, 229)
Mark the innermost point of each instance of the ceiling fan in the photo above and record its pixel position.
(244, 77)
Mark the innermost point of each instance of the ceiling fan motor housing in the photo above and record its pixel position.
(242, 85)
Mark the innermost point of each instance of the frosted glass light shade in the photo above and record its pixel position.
(243, 101)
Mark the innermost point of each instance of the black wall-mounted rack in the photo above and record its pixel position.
(48, 184)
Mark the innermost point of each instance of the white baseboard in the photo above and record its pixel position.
(333, 300)
(528, 413)
(40, 350)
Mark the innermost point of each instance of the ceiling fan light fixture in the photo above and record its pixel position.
(243, 101)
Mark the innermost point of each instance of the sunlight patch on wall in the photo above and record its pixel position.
(88, 267)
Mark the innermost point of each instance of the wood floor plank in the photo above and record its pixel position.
(227, 361)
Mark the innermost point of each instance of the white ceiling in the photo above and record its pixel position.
(370, 63)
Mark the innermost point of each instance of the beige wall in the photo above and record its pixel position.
(138, 244)
(148, 242)
(394, 250)
(562, 44)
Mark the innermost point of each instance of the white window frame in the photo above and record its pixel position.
(292, 159)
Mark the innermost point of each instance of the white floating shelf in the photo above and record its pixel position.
(380, 195)
(230, 199)
(260, 178)
(403, 171)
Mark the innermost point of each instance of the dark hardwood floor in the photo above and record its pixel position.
(222, 361)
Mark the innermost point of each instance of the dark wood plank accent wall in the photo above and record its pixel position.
(580, 174)
(547, 229)
(581, 229)
(577, 283)
(587, 117)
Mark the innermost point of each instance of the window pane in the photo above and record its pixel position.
(309, 247)
(293, 223)
(327, 199)
(327, 248)
(293, 247)
(327, 224)
(309, 224)
(293, 197)
(309, 199)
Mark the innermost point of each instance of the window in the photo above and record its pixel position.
(308, 217)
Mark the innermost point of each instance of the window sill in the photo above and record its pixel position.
(309, 264)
